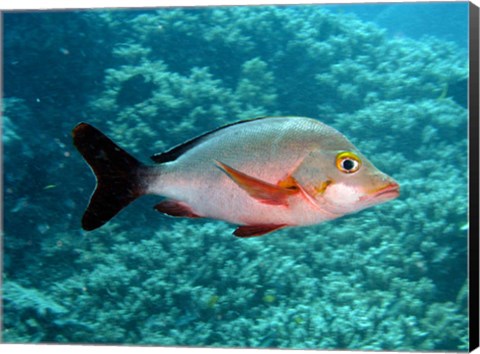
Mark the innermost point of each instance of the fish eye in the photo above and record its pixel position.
(348, 162)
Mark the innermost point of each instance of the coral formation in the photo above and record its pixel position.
(390, 278)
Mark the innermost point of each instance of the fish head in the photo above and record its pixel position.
(343, 181)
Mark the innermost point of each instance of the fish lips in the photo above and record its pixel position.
(385, 193)
(390, 191)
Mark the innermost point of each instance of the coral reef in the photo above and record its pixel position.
(389, 278)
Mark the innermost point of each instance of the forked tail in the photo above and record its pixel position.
(117, 173)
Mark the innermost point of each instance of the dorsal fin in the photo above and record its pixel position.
(175, 152)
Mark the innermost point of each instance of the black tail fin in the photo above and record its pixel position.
(117, 174)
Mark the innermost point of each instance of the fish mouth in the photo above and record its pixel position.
(390, 191)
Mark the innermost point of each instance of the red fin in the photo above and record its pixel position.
(262, 191)
(256, 230)
(175, 208)
(289, 183)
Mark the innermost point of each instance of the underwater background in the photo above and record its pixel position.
(392, 78)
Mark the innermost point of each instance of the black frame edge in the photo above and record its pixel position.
(473, 177)
(1, 174)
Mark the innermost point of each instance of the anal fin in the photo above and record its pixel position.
(256, 230)
(175, 208)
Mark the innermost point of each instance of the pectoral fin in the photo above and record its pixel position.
(256, 230)
(262, 191)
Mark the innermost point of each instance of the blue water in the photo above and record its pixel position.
(391, 78)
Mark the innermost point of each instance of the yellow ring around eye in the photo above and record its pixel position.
(348, 156)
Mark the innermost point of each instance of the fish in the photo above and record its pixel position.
(262, 174)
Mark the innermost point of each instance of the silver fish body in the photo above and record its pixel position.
(263, 174)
